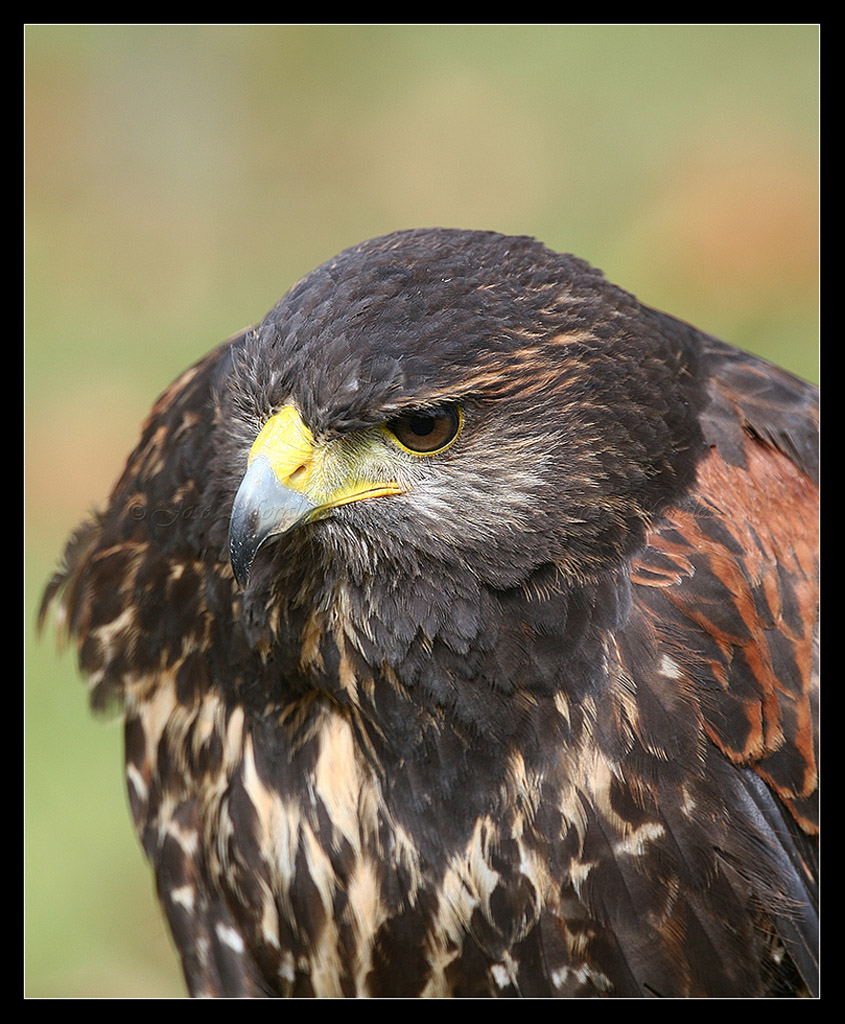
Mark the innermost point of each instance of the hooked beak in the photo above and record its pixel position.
(264, 507)
(284, 486)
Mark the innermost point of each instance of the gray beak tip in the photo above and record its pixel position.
(263, 508)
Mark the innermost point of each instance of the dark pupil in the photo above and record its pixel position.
(422, 426)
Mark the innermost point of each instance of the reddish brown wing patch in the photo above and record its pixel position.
(731, 584)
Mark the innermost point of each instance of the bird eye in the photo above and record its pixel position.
(428, 431)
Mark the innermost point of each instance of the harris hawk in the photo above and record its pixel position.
(462, 615)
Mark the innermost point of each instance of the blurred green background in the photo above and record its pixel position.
(180, 179)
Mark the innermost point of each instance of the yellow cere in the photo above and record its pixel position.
(288, 446)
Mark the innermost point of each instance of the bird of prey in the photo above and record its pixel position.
(462, 615)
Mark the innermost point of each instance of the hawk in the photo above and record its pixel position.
(462, 615)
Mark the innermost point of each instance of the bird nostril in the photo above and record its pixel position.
(299, 476)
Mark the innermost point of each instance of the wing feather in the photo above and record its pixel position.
(728, 587)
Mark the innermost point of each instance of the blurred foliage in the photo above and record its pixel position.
(180, 178)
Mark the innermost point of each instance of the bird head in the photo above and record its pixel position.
(460, 398)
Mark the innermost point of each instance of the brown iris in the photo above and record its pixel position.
(427, 431)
